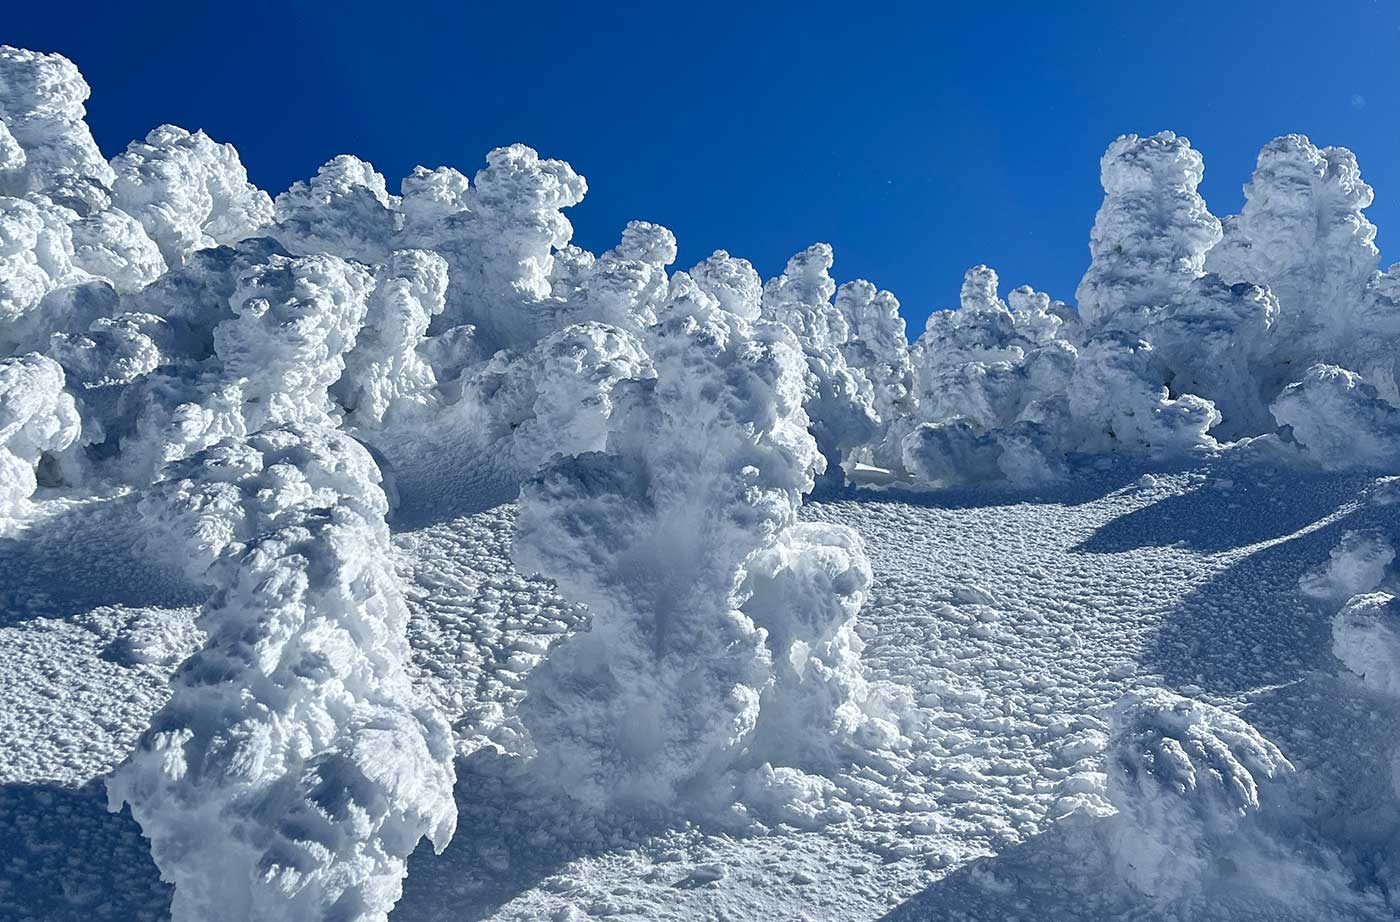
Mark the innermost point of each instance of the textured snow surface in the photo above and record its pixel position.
(1015, 623)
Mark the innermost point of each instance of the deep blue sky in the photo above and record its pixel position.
(917, 139)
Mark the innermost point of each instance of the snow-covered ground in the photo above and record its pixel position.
(1015, 620)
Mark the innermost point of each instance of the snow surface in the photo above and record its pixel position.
(1186, 580)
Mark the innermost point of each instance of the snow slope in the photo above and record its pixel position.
(1014, 622)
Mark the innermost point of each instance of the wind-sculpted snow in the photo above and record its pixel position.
(295, 767)
(36, 416)
(1185, 777)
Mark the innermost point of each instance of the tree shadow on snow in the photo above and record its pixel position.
(64, 858)
(82, 557)
(1248, 626)
(1227, 512)
(511, 837)
(429, 483)
(1066, 875)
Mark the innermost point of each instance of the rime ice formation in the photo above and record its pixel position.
(1303, 234)
(555, 399)
(275, 358)
(498, 236)
(387, 374)
(805, 591)
(36, 416)
(345, 209)
(1115, 401)
(295, 767)
(47, 147)
(703, 469)
(839, 401)
(188, 191)
(1151, 234)
(877, 345)
(989, 365)
(1185, 777)
(1340, 421)
(175, 341)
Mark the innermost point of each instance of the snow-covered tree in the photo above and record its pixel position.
(36, 416)
(1186, 778)
(1340, 421)
(188, 191)
(499, 236)
(274, 360)
(556, 398)
(295, 767)
(386, 374)
(839, 401)
(1151, 233)
(345, 210)
(701, 477)
(1303, 233)
(876, 345)
(46, 147)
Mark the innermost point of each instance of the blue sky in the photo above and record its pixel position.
(918, 139)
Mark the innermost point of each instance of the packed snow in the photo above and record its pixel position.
(370, 554)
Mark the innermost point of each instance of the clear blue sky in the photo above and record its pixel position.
(918, 139)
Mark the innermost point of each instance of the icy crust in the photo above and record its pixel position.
(36, 417)
(295, 767)
(1185, 777)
